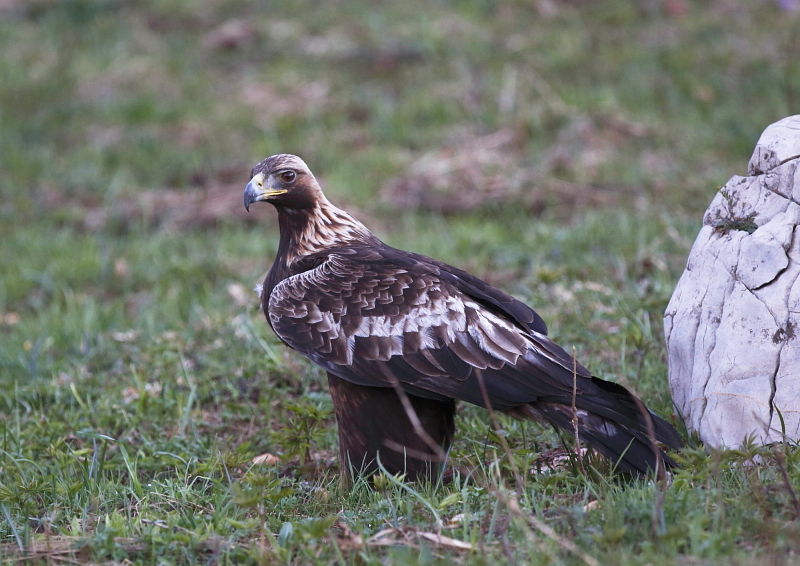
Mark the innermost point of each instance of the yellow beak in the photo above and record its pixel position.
(255, 191)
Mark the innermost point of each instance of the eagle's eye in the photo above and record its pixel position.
(288, 176)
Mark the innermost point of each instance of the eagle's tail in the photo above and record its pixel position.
(616, 424)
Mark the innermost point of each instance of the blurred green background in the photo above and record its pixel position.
(563, 150)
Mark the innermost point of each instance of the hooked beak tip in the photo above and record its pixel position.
(255, 192)
(250, 195)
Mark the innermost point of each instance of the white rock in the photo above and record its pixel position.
(733, 323)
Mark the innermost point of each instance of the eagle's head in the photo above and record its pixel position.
(283, 180)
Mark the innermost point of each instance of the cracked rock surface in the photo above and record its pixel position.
(733, 323)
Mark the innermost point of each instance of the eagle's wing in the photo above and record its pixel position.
(490, 297)
(378, 316)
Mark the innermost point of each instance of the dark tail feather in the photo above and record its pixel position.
(663, 431)
(628, 441)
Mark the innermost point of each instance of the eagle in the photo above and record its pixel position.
(402, 337)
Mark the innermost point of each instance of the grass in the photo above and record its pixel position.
(137, 378)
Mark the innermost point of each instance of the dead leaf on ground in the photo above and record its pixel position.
(129, 395)
(345, 538)
(555, 459)
(127, 336)
(455, 521)
(232, 34)
(9, 318)
(267, 459)
(241, 297)
(120, 267)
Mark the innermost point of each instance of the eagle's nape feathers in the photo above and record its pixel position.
(375, 317)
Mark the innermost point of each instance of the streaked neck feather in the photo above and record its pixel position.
(308, 231)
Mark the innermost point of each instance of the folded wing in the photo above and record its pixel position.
(376, 317)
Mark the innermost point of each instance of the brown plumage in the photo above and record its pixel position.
(387, 324)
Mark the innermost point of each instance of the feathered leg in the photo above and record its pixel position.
(372, 420)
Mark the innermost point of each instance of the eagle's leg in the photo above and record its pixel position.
(372, 420)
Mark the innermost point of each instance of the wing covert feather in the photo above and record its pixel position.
(398, 318)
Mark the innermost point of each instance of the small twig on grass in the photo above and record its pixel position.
(657, 526)
(779, 459)
(507, 550)
(575, 414)
(661, 471)
(392, 536)
(418, 454)
(781, 462)
(438, 454)
(61, 549)
(539, 525)
(496, 425)
(64, 559)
